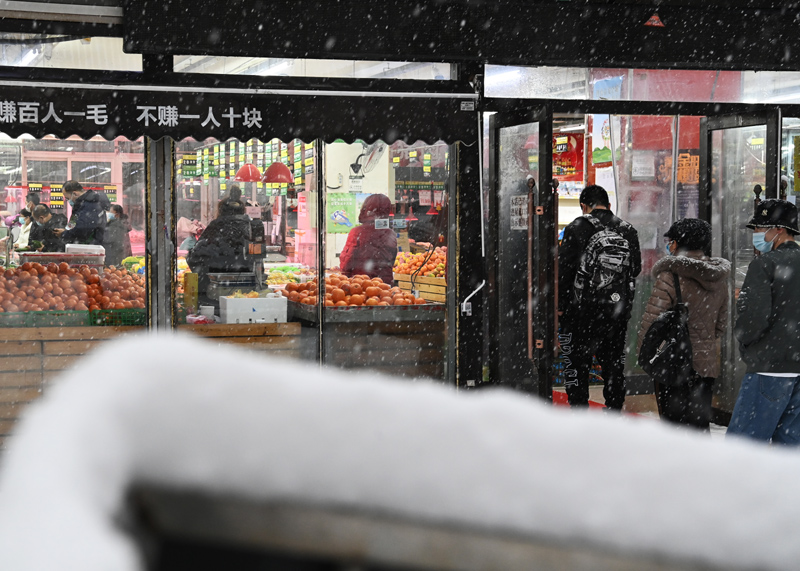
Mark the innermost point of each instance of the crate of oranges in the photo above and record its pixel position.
(422, 273)
(357, 291)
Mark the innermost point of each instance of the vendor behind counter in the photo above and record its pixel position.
(370, 250)
(222, 245)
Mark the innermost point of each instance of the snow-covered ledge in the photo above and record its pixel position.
(200, 416)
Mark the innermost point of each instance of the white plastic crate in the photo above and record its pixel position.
(270, 309)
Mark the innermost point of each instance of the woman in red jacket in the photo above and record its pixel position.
(370, 250)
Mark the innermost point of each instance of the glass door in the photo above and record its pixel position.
(739, 166)
(522, 288)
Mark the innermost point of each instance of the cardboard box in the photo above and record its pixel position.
(270, 309)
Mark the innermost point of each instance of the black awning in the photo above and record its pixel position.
(39, 110)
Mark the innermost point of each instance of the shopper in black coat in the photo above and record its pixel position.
(48, 222)
(117, 242)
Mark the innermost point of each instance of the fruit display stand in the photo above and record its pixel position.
(406, 340)
(32, 357)
(431, 289)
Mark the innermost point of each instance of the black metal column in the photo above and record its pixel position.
(542, 264)
(466, 264)
(160, 227)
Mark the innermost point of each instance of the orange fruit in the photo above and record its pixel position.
(337, 295)
(372, 301)
(373, 291)
(340, 304)
(356, 299)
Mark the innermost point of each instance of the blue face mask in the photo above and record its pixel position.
(71, 202)
(760, 244)
(110, 216)
(666, 247)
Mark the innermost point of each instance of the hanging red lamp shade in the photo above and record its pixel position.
(248, 173)
(278, 172)
(411, 216)
(432, 210)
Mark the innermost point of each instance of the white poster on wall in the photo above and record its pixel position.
(519, 212)
(605, 177)
(643, 165)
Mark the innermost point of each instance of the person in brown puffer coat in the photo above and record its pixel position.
(704, 289)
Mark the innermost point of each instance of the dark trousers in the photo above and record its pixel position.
(580, 340)
(688, 404)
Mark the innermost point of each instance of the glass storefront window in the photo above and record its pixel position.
(702, 86)
(61, 295)
(790, 162)
(385, 258)
(91, 171)
(242, 241)
(47, 171)
(66, 52)
(310, 67)
(383, 286)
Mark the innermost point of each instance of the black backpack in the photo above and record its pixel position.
(603, 284)
(666, 353)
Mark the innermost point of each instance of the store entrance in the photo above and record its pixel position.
(523, 335)
(657, 169)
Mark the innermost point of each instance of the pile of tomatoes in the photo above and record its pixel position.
(35, 287)
(341, 291)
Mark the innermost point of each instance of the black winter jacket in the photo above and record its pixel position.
(49, 240)
(87, 224)
(576, 236)
(768, 322)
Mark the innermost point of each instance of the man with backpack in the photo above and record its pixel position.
(598, 261)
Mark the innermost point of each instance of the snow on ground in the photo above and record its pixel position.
(190, 413)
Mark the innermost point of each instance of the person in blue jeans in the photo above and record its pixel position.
(767, 328)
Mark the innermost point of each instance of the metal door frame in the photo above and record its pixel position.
(771, 119)
(541, 263)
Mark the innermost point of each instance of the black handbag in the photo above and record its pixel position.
(666, 352)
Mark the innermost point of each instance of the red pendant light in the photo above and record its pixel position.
(248, 173)
(432, 210)
(411, 217)
(278, 172)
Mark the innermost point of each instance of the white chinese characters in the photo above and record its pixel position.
(29, 112)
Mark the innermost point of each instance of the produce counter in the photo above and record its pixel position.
(407, 341)
(282, 339)
(30, 358)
